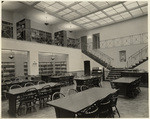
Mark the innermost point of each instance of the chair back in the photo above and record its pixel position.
(28, 84)
(46, 90)
(15, 86)
(30, 95)
(57, 95)
(41, 82)
(114, 99)
(7, 81)
(83, 87)
(105, 109)
(72, 91)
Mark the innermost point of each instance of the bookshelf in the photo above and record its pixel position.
(74, 43)
(60, 38)
(45, 68)
(60, 67)
(25, 68)
(41, 36)
(7, 29)
(8, 70)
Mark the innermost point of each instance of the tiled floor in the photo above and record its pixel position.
(128, 108)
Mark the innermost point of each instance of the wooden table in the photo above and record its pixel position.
(64, 79)
(12, 95)
(142, 74)
(123, 83)
(89, 81)
(68, 106)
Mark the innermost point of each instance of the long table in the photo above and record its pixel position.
(123, 83)
(142, 74)
(68, 106)
(64, 79)
(12, 95)
(89, 81)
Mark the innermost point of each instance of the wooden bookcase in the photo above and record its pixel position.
(24, 30)
(41, 36)
(7, 29)
(25, 68)
(8, 70)
(60, 67)
(60, 38)
(45, 68)
(74, 43)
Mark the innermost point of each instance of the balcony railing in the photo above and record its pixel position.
(138, 56)
(100, 54)
(125, 41)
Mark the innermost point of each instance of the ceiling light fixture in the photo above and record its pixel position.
(11, 55)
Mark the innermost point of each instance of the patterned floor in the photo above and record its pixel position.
(128, 108)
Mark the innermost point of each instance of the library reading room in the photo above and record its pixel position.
(74, 59)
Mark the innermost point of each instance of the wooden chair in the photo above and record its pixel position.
(28, 84)
(57, 95)
(44, 95)
(41, 82)
(114, 99)
(28, 101)
(83, 87)
(105, 109)
(14, 87)
(89, 112)
(72, 91)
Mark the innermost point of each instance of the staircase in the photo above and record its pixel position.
(138, 58)
(104, 63)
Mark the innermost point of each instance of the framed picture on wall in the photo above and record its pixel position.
(122, 56)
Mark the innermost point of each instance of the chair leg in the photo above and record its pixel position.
(117, 111)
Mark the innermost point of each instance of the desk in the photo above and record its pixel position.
(12, 95)
(90, 81)
(68, 106)
(123, 83)
(64, 79)
(142, 74)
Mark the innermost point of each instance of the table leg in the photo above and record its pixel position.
(62, 113)
(12, 105)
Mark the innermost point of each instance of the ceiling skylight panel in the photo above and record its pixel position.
(58, 6)
(144, 9)
(126, 15)
(84, 4)
(131, 5)
(76, 7)
(102, 22)
(142, 3)
(110, 11)
(117, 17)
(83, 11)
(101, 4)
(67, 3)
(94, 17)
(67, 10)
(119, 8)
(100, 14)
(61, 13)
(108, 20)
(49, 3)
(51, 9)
(42, 5)
(136, 12)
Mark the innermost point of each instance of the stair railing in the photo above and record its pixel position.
(107, 59)
(125, 41)
(138, 56)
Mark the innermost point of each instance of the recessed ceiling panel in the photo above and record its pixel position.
(136, 12)
(144, 9)
(117, 17)
(110, 11)
(131, 5)
(126, 15)
(101, 4)
(119, 8)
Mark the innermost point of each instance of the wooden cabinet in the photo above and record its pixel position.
(7, 29)
(60, 38)
(8, 70)
(41, 36)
